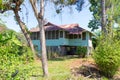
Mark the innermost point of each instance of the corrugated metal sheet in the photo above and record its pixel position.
(71, 28)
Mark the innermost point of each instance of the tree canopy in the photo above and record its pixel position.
(60, 4)
(112, 13)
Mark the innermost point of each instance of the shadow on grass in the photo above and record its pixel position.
(57, 59)
(62, 58)
(37, 76)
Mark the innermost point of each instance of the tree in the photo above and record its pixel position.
(111, 10)
(14, 5)
(95, 8)
(40, 18)
(106, 44)
(60, 4)
(103, 21)
(42, 37)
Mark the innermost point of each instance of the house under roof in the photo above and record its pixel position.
(71, 28)
(63, 39)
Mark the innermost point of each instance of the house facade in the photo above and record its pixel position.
(63, 39)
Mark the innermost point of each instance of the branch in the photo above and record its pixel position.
(11, 5)
(34, 7)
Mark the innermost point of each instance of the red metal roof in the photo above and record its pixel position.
(71, 28)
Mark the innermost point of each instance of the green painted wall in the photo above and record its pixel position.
(64, 41)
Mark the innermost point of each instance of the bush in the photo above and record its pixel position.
(107, 56)
(81, 51)
(12, 55)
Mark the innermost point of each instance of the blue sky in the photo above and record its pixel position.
(68, 16)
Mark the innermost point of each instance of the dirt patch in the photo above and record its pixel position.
(88, 69)
(79, 62)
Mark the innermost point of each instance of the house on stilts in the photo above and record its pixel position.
(63, 39)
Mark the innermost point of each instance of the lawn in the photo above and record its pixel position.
(59, 69)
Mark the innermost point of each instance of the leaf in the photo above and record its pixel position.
(0, 37)
(17, 42)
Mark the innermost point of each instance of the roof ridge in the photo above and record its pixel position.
(70, 24)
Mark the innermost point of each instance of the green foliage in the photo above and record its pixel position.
(12, 55)
(60, 4)
(107, 56)
(112, 13)
(96, 9)
(1, 6)
(94, 24)
(95, 39)
(81, 51)
(6, 5)
(94, 42)
(117, 33)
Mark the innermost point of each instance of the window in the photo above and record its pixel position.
(71, 36)
(84, 36)
(79, 36)
(61, 34)
(38, 36)
(57, 34)
(75, 36)
(66, 34)
(46, 35)
(49, 34)
(34, 36)
(53, 34)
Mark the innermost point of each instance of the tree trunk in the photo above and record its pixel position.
(42, 38)
(22, 26)
(43, 49)
(40, 19)
(103, 22)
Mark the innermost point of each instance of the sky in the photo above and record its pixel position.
(68, 16)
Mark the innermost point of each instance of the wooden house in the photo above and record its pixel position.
(63, 39)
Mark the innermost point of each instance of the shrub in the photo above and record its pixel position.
(107, 56)
(81, 51)
(12, 55)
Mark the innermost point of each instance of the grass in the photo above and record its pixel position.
(59, 69)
